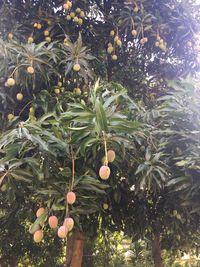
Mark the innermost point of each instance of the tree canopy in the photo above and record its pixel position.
(99, 122)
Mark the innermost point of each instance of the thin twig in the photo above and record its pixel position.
(2, 178)
(105, 146)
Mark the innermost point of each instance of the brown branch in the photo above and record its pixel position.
(2, 178)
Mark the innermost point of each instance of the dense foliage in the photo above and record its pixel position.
(78, 79)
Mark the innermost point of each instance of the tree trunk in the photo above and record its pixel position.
(75, 249)
(156, 252)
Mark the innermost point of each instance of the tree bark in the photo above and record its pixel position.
(156, 251)
(75, 249)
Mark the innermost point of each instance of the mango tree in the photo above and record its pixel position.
(59, 127)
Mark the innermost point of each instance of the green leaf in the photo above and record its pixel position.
(101, 119)
(20, 176)
(57, 207)
(38, 221)
(177, 180)
(87, 142)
